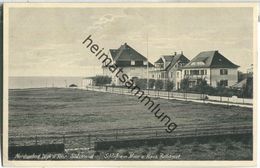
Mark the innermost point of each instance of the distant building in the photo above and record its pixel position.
(211, 66)
(132, 62)
(88, 81)
(167, 65)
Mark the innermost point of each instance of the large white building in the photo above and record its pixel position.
(211, 66)
(166, 67)
(132, 62)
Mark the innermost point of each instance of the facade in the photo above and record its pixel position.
(166, 67)
(132, 62)
(210, 66)
(88, 81)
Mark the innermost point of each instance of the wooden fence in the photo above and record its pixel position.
(87, 139)
(176, 95)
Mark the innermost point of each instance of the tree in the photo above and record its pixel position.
(158, 84)
(141, 83)
(248, 90)
(102, 80)
(184, 84)
(151, 83)
(169, 85)
(202, 85)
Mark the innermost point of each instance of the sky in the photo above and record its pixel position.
(48, 41)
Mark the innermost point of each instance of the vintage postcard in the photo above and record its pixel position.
(129, 84)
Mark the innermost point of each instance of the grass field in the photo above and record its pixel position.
(72, 111)
(47, 111)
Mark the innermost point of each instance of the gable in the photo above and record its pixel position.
(210, 59)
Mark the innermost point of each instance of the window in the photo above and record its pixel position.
(158, 65)
(205, 72)
(171, 74)
(152, 76)
(223, 83)
(202, 72)
(132, 62)
(223, 71)
(194, 72)
(197, 63)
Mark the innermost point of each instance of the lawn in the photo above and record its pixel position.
(52, 111)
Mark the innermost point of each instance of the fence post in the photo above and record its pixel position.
(36, 140)
(89, 139)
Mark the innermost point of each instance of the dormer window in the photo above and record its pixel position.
(132, 62)
(198, 63)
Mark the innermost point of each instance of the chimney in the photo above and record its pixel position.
(175, 53)
(181, 52)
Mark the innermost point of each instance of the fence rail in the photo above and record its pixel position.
(177, 95)
(87, 140)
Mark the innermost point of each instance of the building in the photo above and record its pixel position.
(166, 67)
(132, 62)
(87, 82)
(210, 66)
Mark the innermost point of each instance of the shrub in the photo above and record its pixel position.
(102, 80)
(158, 84)
(151, 83)
(169, 85)
(141, 83)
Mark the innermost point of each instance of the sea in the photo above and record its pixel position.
(23, 82)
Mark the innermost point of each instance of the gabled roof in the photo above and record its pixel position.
(159, 61)
(210, 59)
(171, 60)
(127, 53)
(166, 58)
(113, 53)
(240, 84)
(176, 58)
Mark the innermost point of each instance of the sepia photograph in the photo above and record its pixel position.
(171, 83)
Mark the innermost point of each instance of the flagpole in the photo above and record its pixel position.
(147, 63)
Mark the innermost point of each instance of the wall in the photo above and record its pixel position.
(216, 77)
(140, 72)
(87, 82)
(193, 77)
